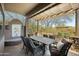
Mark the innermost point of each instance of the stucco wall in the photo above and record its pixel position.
(9, 31)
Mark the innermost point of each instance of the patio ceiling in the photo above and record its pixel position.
(21, 8)
(56, 11)
(40, 11)
(25, 9)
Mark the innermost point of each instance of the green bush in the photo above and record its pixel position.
(63, 34)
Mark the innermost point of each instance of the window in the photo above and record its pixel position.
(16, 30)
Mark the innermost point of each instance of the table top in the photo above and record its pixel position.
(43, 39)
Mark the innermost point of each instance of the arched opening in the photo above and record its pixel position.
(14, 29)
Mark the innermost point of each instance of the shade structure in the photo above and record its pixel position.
(59, 10)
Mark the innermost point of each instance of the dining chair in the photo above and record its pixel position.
(52, 36)
(45, 35)
(63, 51)
(25, 44)
(35, 50)
(65, 48)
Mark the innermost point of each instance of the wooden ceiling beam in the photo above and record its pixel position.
(37, 8)
(53, 5)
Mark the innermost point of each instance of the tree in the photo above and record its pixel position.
(61, 21)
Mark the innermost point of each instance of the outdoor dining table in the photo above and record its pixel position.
(46, 41)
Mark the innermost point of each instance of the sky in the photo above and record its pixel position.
(72, 23)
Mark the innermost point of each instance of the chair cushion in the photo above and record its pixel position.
(60, 45)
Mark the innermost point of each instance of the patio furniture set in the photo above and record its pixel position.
(43, 46)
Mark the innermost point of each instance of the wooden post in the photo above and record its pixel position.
(77, 22)
(37, 27)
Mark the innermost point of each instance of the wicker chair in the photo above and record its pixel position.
(35, 50)
(63, 51)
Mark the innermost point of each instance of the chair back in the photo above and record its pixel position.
(64, 50)
(27, 43)
(30, 44)
(24, 41)
(45, 35)
(52, 36)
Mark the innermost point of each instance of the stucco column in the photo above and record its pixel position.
(26, 27)
(2, 33)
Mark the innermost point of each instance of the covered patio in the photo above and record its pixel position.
(39, 22)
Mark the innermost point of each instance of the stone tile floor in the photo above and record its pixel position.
(19, 51)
